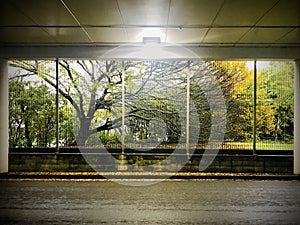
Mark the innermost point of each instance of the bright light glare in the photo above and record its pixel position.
(150, 51)
(259, 64)
(150, 32)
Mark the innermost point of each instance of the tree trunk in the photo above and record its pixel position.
(83, 133)
(27, 135)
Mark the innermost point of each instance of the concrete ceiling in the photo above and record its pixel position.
(194, 23)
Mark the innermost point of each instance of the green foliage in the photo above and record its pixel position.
(32, 118)
(232, 77)
(154, 109)
(32, 114)
(108, 137)
(278, 84)
(66, 130)
(203, 111)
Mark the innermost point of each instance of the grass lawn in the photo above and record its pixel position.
(259, 145)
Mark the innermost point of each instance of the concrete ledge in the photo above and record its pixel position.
(73, 162)
(143, 176)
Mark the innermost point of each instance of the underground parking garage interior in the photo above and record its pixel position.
(223, 38)
(150, 90)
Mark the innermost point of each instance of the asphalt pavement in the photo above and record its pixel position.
(100, 201)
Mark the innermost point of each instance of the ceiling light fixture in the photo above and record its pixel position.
(147, 40)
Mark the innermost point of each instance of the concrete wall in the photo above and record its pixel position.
(75, 162)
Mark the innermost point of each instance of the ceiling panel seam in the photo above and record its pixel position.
(115, 44)
(214, 19)
(168, 18)
(77, 21)
(32, 20)
(123, 21)
(22, 12)
(259, 19)
(286, 34)
(149, 26)
(269, 10)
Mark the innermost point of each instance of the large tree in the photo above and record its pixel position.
(94, 89)
(153, 91)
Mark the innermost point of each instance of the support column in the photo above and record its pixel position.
(3, 117)
(297, 118)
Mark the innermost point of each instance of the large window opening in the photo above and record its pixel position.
(143, 104)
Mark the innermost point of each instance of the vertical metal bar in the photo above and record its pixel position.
(188, 113)
(254, 106)
(122, 158)
(123, 109)
(57, 105)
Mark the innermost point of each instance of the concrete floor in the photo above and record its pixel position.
(168, 202)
